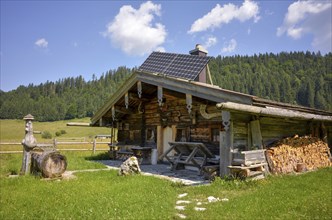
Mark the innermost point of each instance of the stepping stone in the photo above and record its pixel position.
(182, 195)
(200, 209)
(178, 207)
(182, 201)
(224, 200)
(213, 199)
(181, 215)
(199, 203)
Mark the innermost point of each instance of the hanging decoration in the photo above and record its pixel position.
(160, 96)
(113, 113)
(189, 103)
(126, 100)
(139, 89)
(226, 117)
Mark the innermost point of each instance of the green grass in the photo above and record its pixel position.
(98, 195)
(105, 195)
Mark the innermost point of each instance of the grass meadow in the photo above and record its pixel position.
(105, 195)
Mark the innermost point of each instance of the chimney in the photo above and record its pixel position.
(200, 51)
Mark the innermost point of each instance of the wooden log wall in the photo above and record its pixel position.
(274, 129)
(173, 113)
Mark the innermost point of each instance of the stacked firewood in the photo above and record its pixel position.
(298, 154)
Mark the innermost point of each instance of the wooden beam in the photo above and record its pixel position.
(271, 111)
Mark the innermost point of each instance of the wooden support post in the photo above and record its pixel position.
(226, 144)
(249, 138)
(55, 143)
(256, 135)
(94, 146)
(159, 140)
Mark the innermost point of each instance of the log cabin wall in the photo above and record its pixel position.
(274, 129)
(271, 129)
(135, 128)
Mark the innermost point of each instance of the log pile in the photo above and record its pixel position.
(298, 154)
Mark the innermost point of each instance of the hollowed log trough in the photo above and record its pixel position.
(50, 164)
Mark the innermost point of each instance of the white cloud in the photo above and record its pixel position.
(224, 14)
(304, 17)
(42, 43)
(229, 46)
(134, 31)
(210, 41)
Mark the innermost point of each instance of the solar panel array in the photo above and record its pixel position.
(175, 65)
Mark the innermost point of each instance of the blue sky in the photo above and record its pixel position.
(51, 40)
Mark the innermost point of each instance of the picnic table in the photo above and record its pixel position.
(188, 153)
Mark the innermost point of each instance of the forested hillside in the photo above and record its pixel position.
(297, 78)
(65, 99)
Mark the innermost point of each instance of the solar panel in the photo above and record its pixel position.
(176, 65)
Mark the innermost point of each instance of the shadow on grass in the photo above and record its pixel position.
(100, 156)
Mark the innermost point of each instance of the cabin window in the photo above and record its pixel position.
(215, 134)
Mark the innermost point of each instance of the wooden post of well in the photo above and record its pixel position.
(94, 146)
(29, 142)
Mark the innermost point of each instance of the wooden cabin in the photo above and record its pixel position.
(170, 98)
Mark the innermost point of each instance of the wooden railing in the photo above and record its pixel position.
(63, 141)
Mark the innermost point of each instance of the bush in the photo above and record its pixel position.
(58, 133)
(63, 132)
(47, 135)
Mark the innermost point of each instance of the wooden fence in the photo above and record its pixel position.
(66, 142)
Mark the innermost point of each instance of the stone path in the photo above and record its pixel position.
(181, 204)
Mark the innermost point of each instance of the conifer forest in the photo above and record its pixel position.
(302, 78)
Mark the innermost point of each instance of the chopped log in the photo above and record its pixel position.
(50, 164)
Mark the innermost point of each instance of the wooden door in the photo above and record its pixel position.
(165, 135)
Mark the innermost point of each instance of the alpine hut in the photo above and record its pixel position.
(170, 104)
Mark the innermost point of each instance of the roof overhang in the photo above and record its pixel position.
(197, 89)
(228, 100)
(273, 112)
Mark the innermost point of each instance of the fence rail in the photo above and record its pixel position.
(56, 143)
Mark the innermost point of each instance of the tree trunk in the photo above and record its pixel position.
(50, 164)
